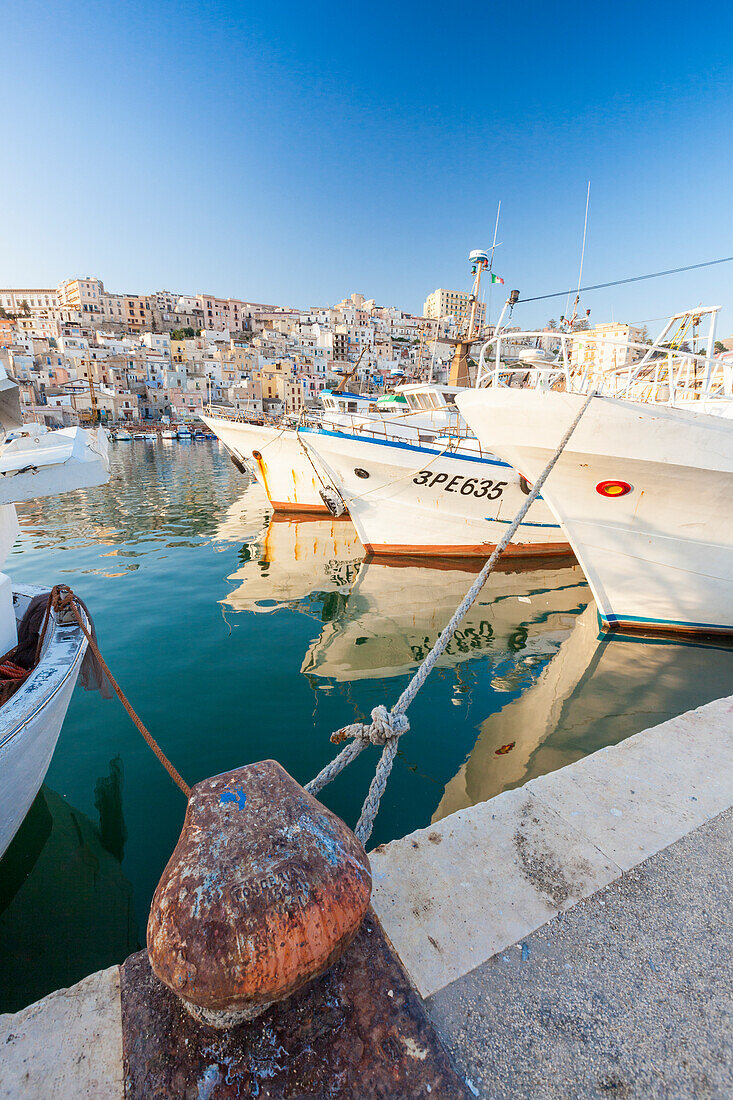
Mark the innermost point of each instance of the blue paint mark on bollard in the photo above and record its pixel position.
(238, 796)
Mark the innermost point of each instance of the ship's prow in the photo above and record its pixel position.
(642, 492)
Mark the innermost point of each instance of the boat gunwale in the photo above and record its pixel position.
(56, 679)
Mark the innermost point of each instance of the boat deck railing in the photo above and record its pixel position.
(582, 361)
(393, 427)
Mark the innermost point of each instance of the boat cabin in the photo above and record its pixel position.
(427, 397)
(345, 402)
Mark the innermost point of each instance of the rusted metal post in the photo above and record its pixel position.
(264, 891)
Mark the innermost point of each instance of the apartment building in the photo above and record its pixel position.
(452, 303)
(32, 300)
(587, 353)
(340, 347)
(82, 293)
(224, 314)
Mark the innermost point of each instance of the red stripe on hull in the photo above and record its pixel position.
(481, 550)
(302, 509)
(722, 635)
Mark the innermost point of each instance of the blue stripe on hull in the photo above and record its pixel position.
(495, 519)
(408, 447)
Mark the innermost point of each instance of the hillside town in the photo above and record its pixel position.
(81, 353)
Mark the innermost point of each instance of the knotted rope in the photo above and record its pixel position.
(387, 726)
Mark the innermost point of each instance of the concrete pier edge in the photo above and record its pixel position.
(453, 896)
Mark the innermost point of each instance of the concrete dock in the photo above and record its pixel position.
(570, 938)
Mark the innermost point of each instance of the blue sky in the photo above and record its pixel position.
(292, 153)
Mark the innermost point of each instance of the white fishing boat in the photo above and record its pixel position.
(183, 432)
(277, 458)
(168, 433)
(36, 686)
(445, 498)
(122, 436)
(282, 464)
(643, 487)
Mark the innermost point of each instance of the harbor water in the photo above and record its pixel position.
(240, 637)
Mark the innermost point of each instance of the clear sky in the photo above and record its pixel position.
(294, 153)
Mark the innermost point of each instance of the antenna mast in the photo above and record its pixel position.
(574, 318)
(491, 262)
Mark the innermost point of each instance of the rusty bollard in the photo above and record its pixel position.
(264, 891)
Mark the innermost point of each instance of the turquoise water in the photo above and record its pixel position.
(239, 638)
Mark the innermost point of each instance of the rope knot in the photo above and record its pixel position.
(384, 726)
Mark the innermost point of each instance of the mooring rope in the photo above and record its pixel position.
(387, 726)
(61, 598)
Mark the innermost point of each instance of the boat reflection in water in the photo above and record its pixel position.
(598, 689)
(510, 739)
(66, 907)
(246, 518)
(549, 686)
(395, 614)
(292, 559)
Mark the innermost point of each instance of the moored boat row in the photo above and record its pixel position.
(415, 484)
(182, 433)
(639, 493)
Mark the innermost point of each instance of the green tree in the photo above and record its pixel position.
(719, 347)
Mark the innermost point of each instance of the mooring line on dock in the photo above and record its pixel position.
(387, 726)
(61, 598)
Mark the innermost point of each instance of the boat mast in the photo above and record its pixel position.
(459, 373)
(576, 303)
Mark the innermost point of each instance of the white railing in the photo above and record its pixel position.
(580, 361)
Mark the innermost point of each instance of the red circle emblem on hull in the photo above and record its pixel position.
(613, 488)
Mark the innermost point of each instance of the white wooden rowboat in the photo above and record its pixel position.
(31, 720)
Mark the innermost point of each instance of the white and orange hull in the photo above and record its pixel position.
(277, 460)
(424, 501)
(657, 546)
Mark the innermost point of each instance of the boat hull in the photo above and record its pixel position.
(31, 720)
(424, 502)
(55, 462)
(659, 557)
(277, 460)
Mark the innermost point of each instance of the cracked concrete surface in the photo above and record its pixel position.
(627, 994)
(453, 895)
(68, 1044)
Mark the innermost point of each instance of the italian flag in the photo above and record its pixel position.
(497, 279)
